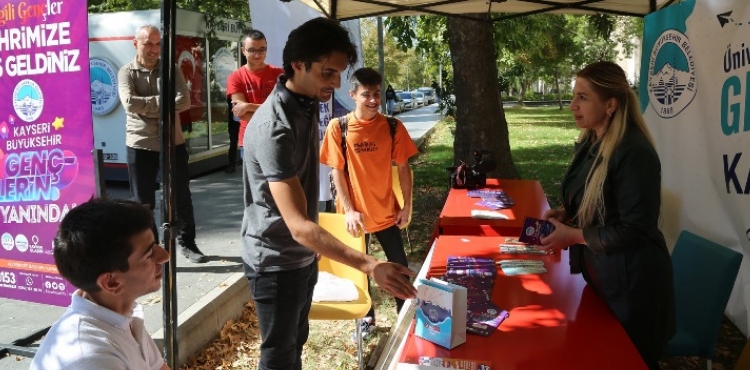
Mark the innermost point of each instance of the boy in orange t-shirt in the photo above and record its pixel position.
(363, 188)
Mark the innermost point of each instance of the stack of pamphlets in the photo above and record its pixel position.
(492, 198)
(513, 246)
(478, 276)
(455, 363)
(522, 267)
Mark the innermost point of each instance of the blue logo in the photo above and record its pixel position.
(7, 241)
(671, 74)
(103, 78)
(223, 63)
(28, 100)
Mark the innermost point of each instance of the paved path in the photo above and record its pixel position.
(217, 200)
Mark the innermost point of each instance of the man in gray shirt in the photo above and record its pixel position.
(280, 234)
(138, 86)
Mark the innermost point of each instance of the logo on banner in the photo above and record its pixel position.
(223, 64)
(8, 242)
(671, 74)
(326, 115)
(28, 100)
(103, 79)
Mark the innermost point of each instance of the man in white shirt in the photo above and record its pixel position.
(105, 248)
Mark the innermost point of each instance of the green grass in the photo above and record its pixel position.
(541, 141)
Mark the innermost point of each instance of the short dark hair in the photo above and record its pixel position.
(315, 39)
(252, 34)
(365, 77)
(95, 238)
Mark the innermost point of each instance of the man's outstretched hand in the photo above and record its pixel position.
(394, 279)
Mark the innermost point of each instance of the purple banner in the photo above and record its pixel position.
(46, 165)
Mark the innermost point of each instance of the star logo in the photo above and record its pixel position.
(58, 124)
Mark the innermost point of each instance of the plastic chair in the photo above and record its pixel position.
(396, 185)
(400, 199)
(356, 310)
(704, 274)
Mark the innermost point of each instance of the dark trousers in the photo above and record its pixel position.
(282, 305)
(234, 133)
(143, 167)
(393, 246)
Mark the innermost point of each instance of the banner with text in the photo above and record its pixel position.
(695, 73)
(46, 165)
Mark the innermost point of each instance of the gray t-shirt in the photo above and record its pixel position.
(281, 142)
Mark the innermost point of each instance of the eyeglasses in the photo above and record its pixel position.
(260, 51)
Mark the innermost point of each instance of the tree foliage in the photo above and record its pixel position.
(213, 10)
(403, 68)
(460, 46)
(545, 47)
(235, 9)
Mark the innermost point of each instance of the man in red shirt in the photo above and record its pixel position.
(249, 86)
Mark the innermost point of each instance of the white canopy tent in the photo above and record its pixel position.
(726, 223)
(350, 9)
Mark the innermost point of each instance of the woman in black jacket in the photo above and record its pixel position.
(611, 196)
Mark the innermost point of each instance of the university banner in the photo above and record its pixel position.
(695, 73)
(46, 165)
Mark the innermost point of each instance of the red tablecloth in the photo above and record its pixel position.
(555, 322)
(455, 218)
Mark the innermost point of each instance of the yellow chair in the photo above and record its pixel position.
(336, 225)
(400, 199)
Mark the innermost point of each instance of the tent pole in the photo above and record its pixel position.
(169, 228)
(381, 65)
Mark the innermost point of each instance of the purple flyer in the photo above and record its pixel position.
(533, 229)
(46, 139)
(484, 318)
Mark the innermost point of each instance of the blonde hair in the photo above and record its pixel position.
(608, 81)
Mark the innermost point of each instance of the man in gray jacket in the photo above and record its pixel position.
(138, 85)
(280, 234)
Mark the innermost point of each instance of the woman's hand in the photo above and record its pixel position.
(563, 236)
(558, 214)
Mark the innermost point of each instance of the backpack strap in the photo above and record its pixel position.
(343, 126)
(392, 125)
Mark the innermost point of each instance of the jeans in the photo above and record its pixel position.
(393, 246)
(389, 107)
(143, 167)
(282, 305)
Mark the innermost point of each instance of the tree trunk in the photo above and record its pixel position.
(522, 94)
(480, 118)
(557, 87)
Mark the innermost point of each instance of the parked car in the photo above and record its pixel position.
(399, 106)
(418, 98)
(429, 95)
(407, 98)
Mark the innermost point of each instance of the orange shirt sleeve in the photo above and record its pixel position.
(330, 150)
(403, 146)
